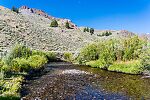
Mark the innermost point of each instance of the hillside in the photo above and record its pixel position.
(32, 28)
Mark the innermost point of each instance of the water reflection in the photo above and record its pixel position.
(130, 85)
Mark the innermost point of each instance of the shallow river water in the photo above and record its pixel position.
(64, 81)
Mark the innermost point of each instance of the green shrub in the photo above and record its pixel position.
(18, 51)
(6, 68)
(11, 88)
(54, 23)
(96, 64)
(68, 56)
(20, 65)
(37, 61)
(51, 56)
(132, 48)
(132, 67)
(88, 53)
(145, 58)
(105, 53)
(38, 52)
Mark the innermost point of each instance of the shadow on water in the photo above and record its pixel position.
(62, 80)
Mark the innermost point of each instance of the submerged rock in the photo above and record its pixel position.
(74, 71)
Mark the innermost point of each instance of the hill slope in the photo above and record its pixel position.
(32, 28)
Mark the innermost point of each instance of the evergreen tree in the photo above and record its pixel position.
(92, 31)
(15, 9)
(67, 25)
(84, 30)
(87, 29)
(54, 23)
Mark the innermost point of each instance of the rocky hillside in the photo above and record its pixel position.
(32, 28)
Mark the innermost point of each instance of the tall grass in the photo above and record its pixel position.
(132, 67)
(96, 64)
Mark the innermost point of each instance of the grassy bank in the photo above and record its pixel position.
(130, 67)
(19, 62)
(130, 55)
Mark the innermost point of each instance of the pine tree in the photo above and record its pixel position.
(15, 9)
(54, 23)
(67, 25)
(92, 31)
(84, 30)
(87, 29)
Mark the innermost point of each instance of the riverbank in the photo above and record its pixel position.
(130, 67)
(130, 55)
(21, 62)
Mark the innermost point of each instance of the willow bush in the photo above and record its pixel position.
(18, 51)
(103, 54)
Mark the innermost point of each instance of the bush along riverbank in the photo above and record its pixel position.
(130, 55)
(18, 63)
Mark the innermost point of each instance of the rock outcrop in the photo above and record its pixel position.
(28, 11)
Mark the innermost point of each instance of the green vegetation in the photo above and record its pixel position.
(88, 53)
(96, 64)
(86, 29)
(20, 65)
(145, 58)
(132, 67)
(54, 23)
(91, 30)
(68, 57)
(67, 25)
(14, 9)
(17, 63)
(129, 55)
(107, 33)
(11, 88)
(18, 51)
(37, 61)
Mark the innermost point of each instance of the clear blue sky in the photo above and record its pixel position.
(132, 15)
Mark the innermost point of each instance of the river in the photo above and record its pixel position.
(65, 81)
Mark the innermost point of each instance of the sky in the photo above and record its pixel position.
(132, 15)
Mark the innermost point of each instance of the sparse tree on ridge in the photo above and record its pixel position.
(87, 29)
(92, 31)
(54, 23)
(14, 9)
(84, 30)
(67, 25)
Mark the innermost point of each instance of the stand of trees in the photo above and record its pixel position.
(126, 55)
(91, 30)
